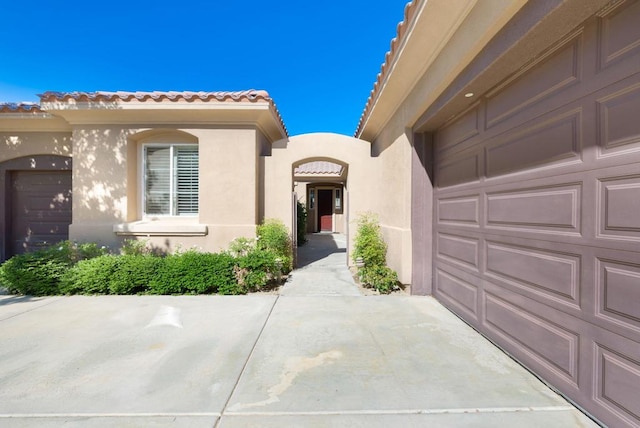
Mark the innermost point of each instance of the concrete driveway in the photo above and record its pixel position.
(259, 360)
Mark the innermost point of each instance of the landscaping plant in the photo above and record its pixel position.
(301, 211)
(193, 272)
(70, 268)
(370, 248)
(273, 235)
(39, 273)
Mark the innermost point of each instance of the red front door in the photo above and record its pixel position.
(325, 210)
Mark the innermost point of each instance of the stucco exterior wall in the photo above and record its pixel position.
(15, 144)
(108, 187)
(393, 197)
(229, 184)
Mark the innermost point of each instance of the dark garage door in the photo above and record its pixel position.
(537, 215)
(40, 210)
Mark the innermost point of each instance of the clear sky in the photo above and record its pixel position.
(318, 60)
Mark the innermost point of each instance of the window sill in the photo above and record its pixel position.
(160, 228)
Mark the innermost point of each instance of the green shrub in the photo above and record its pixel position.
(371, 248)
(87, 250)
(241, 246)
(301, 211)
(134, 273)
(39, 273)
(232, 288)
(369, 244)
(35, 274)
(381, 278)
(91, 276)
(257, 269)
(72, 252)
(273, 235)
(192, 272)
(133, 247)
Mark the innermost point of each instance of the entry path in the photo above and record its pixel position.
(322, 268)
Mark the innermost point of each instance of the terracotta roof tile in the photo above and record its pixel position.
(20, 108)
(409, 12)
(248, 95)
(319, 167)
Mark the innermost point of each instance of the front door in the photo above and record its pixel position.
(325, 210)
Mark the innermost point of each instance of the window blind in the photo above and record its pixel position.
(186, 171)
(171, 180)
(158, 180)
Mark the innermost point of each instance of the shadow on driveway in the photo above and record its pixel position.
(320, 246)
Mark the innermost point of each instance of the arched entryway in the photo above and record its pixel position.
(320, 185)
(329, 173)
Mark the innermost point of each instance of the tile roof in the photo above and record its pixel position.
(248, 95)
(409, 12)
(318, 167)
(23, 107)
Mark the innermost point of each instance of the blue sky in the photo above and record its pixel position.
(318, 60)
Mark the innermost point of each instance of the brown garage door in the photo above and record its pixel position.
(40, 209)
(537, 215)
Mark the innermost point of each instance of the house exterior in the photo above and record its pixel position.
(180, 169)
(500, 148)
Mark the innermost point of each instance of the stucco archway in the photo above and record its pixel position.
(352, 154)
(321, 185)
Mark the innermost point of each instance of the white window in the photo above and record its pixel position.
(171, 179)
(312, 199)
(338, 200)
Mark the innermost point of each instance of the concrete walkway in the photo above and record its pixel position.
(260, 361)
(322, 268)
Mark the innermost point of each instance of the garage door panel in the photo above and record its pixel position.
(452, 137)
(555, 71)
(617, 376)
(617, 289)
(618, 33)
(552, 208)
(617, 120)
(549, 274)
(43, 227)
(552, 142)
(50, 202)
(553, 345)
(459, 289)
(459, 211)
(619, 208)
(463, 169)
(459, 250)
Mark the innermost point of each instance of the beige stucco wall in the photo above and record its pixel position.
(19, 143)
(392, 179)
(107, 187)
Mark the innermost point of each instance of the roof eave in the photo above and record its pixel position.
(262, 114)
(438, 27)
(429, 25)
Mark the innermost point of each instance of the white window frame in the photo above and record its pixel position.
(337, 200)
(142, 180)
